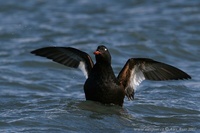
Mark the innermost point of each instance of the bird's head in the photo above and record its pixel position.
(102, 55)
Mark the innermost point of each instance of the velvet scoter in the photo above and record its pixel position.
(101, 84)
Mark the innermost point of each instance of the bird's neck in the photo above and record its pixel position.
(103, 64)
(103, 70)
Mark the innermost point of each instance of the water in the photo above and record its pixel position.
(38, 95)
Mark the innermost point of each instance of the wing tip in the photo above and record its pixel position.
(33, 52)
(36, 51)
(183, 76)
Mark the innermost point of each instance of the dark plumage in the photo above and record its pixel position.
(101, 84)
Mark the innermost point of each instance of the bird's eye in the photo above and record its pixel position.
(105, 49)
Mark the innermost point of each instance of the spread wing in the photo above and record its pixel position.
(67, 56)
(138, 69)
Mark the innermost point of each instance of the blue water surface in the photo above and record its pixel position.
(38, 95)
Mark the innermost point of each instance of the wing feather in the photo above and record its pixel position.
(67, 56)
(138, 69)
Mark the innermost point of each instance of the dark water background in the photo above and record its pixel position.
(37, 95)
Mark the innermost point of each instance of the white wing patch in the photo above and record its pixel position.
(83, 68)
(136, 78)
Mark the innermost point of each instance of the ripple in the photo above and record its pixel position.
(39, 95)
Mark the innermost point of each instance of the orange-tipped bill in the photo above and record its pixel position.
(97, 52)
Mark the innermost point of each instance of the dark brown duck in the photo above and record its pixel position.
(101, 84)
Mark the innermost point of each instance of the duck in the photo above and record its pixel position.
(101, 84)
